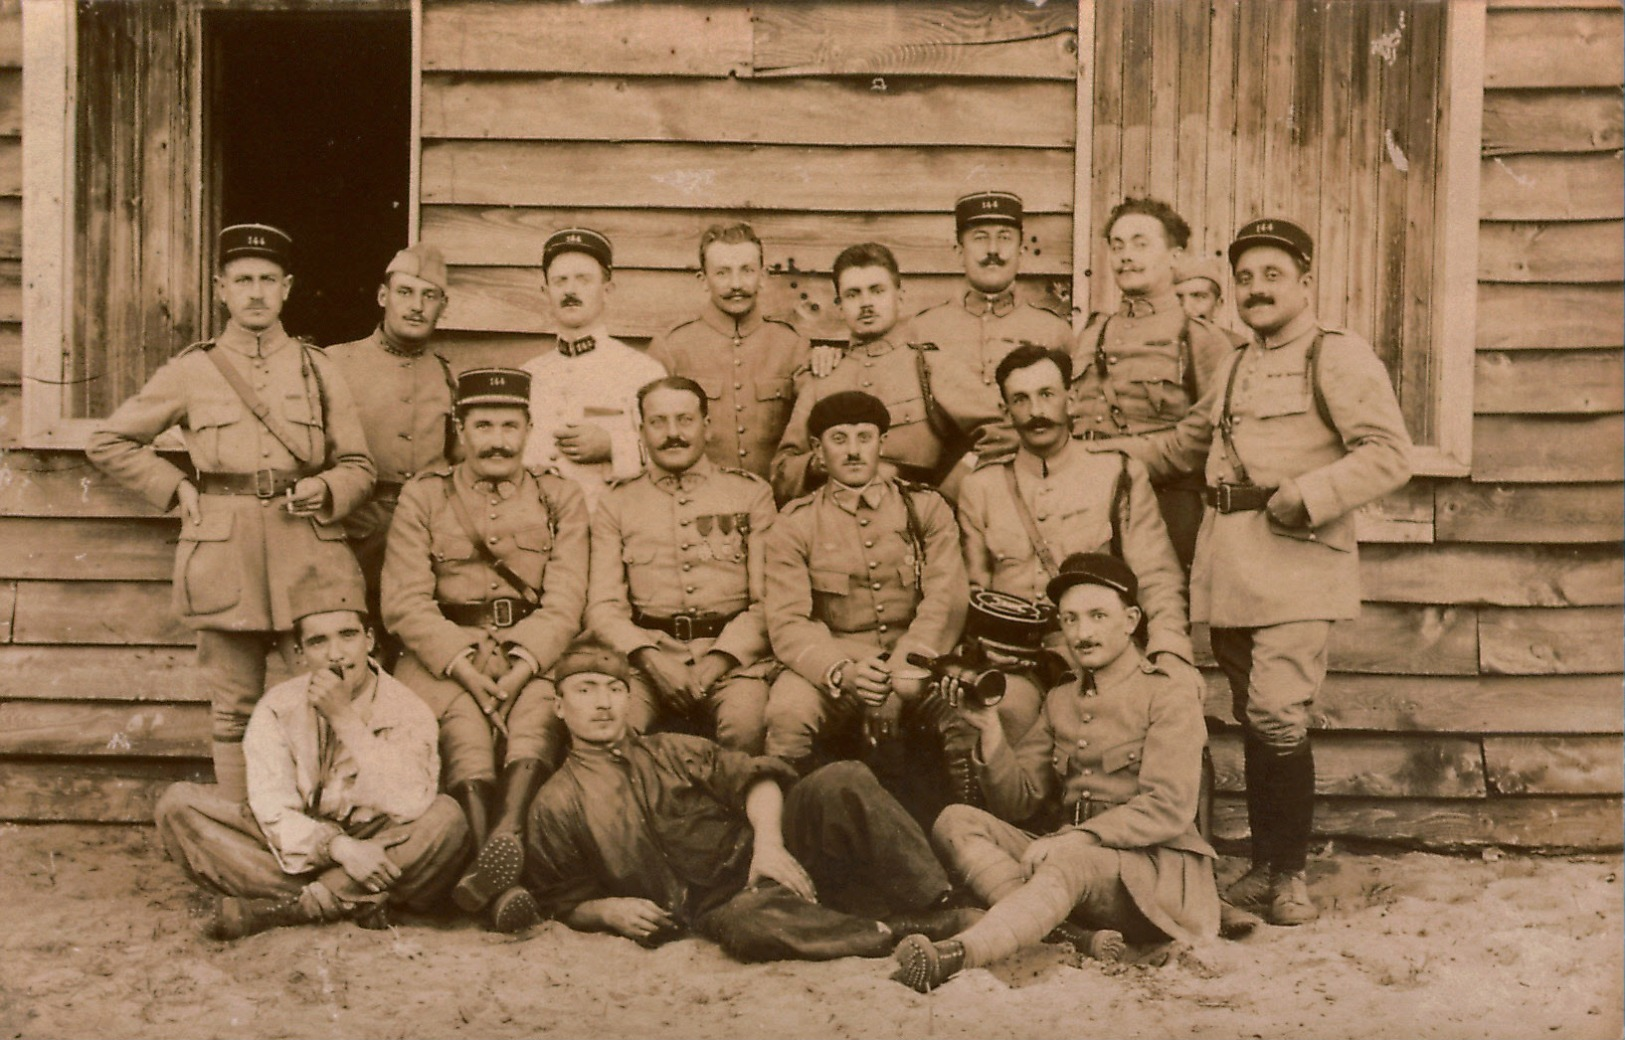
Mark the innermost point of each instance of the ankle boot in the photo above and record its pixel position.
(235, 918)
(923, 965)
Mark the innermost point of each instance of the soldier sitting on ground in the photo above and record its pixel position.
(343, 818)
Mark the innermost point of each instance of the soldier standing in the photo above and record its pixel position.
(931, 405)
(677, 576)
(749, 364)
(584, 391)
(1309, 431)
(403, 392)
(280, 459)
(485, 580)
(1139, 371)
(1199, 284)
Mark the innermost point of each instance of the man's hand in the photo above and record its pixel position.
(1287, 507)
(519, 673)
(637, 919)
(583, 443)
(709, 669)
(672, 680)
(1179, 668)
(823, 359)
(318, 901)
(1054, 845)
(367, 861)
(869, 680)
(327, 696)
(186, 496)
(310, 496)
(487, 694)
(771, 860)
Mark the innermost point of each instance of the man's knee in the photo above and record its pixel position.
(442, 825)
(794, 715)
(847, 776)
(741, 715)
(958, 823)
(1085, 868)
(1280, 732)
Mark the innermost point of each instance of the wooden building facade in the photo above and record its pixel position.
(1459, 163)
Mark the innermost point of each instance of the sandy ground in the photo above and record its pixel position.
(101, 939)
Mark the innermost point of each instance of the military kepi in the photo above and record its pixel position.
(262, 240)
(505, 386)
(577, 240)
(1273, 231)
(320, 591)
(1094, 569)
(987, 207)
(421, 260)
(847, 408)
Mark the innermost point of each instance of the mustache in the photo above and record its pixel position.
(1257, 299)
(673, 442)
(497, 453)
(993, 260)
(738, 294)
(1037, 425)
(570, 300)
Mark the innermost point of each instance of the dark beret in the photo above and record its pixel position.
(848, 406)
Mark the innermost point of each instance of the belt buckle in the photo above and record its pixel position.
(264, 483)
(682, 628)
(502, 613)
(1223, 503)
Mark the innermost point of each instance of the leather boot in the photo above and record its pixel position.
(923, 965)
(475, 799)
(501, 858)
(1293, 780)
(234, 918)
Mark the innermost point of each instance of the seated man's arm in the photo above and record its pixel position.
(764, 807)
(397, 757)
(299, 839)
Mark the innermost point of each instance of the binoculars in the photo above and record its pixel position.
(981, 687)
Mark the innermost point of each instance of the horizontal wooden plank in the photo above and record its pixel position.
(671, 39)
(126, 673)
(509, 299)
(1547, 449)
(1580, 251)
(11, 167)
(1552, 121)
(1549, 641)
(1554, 765)
(1543, 5)
(98, 613)
(81, 548)
(62, 484)
(1444, 825)
(1393, 639)
(699, 176)
(1469, 512)
(1405, 515)
(667, 239)
(11, 229)
(1528, 382)
(11, 34)
(96, 729)
(1552, 187)
(91, 791)
(1516, 317)
(8, 609)
(1574, 48)
(11, 101)
(11, 353)
(1454, 704)
(831, 38)
(1373, 767)
(845, 112)
(1501, 575)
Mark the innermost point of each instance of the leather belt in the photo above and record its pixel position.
(504, 612)
(685, 627)
(265, 483)
(1088, 807)
(386, 490)
(1236, 498)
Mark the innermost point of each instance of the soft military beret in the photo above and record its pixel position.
(508, 386)
(987, 207)
(320, 591)
(421, 260)
(577, 240)
(845, 408)
(1094, 569)
(1200, 267)
(589, 655)
(262, 240)
(1273, 231)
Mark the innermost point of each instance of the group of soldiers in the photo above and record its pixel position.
(748, 637)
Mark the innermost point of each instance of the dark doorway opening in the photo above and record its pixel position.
(307, 126)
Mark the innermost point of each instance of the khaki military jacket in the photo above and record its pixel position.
(841, 572)
(405, 404)
(536, 525)
(889, 369)
(666, 544)
(1151, 380)
(751, 370)
(1070, 498)
(233, 570)
(1250, 570)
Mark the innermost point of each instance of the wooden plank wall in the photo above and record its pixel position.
(1476, 701)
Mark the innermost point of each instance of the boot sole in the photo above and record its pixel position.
(514, 911)
(496, 869)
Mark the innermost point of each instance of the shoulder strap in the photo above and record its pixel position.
(308, 357)
(548, 506)
(1045, 557)
(1103, 370)
(916, 537)
(1120, 506)
(257, 405)
(1321, 408)
(460, 511)
(1187, 363)
(940, 425)
(1226, 421)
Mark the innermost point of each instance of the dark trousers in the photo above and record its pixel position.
(1181, 505)
(864, 853)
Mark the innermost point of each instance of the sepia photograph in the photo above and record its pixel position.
(812, 518)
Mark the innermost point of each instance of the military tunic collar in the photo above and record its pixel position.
(397, 350)
(871, 495)
(670, 482)
(979, 303)
(1107, 679)
(1042, 468)
(1291, 332)
(726, 325)
(585, 341)
(1145, 306)
(503, 489)
(250, 344)
(875, 347)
